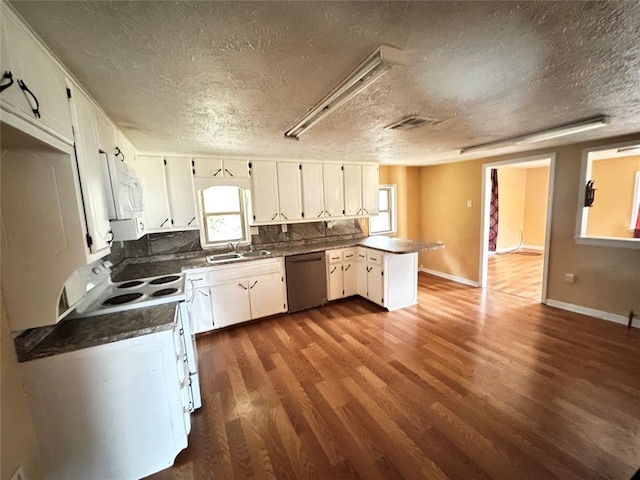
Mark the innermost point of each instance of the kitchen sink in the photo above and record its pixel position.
(256, 253)
(223, 257)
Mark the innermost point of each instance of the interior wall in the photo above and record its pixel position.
(615, 180)
(511, 195)
(607, 278)
(17, 433)
(407, 181)
(535, 206)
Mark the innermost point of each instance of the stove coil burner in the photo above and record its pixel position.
(163, 292)
(133, 283)
(121, 299)
(162, 280)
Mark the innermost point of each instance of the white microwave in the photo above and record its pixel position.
(124, 190)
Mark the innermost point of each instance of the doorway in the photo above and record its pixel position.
(516, 219)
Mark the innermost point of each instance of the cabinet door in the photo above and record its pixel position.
(201, 310)
(207, 167)
(230, 303)
(180, 190)
(312, 191)
(156, 202)
(335, 282)
(361, 279)
(106, 133)
(333, 190)
(267, 295)
(10, 63)
(289, 191)
(236, 168)
(352, 189)
(41, 75)
(375, 284)
(94, 196)
(370, 189)
(264, 192)
(350, 278)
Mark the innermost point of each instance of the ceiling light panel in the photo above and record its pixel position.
(367, 72)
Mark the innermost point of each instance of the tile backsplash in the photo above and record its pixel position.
(269, 236)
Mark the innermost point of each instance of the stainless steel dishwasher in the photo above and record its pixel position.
(306, 281)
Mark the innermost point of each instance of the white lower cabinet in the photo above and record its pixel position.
(113, 411)
(238, 292)
(387, 279)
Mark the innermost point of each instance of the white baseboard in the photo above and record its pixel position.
(464, 281)
(592, 312)
(534, 247)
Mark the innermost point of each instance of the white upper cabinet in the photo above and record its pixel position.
(156, 199)
(180, 191)
(220, 168)
(38, 94)
(264, 191)
(370, 189)
(333, 190)
(106, 134)
(92, 184)
(352, 189)
(289, 191)
(312, 191)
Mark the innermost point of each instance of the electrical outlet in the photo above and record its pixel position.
(569, 278)
(254, 230)
(284, 228)
(469, 203)
(18, 474)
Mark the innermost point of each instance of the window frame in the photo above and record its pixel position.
(393, 211)
(204, 215)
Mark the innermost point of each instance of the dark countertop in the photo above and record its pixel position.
(166, 266)
(84, 332)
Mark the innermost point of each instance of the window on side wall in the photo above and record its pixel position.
(224, 219)
(385, 221)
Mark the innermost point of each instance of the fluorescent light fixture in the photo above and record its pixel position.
(372, 68)
(542, 135)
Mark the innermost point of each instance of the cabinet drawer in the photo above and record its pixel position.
(334, 256)
(361, 254)
(349, 254)
(244, 270)
(197, 280)
(374, 257)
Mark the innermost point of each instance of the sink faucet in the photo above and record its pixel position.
(234, 246)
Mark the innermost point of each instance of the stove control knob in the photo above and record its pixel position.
(95, 270)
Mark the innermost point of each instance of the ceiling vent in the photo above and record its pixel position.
(409, 123)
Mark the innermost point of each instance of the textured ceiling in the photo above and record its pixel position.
(230, 78)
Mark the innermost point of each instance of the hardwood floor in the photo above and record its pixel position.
(518, 273)
(469, 384)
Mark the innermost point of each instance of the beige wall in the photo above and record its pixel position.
(17, 436)
(535, 206)
(511, 193)
(607, 278)
(614, 183)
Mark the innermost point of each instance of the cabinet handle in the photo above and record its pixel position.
(230, 174)
(7, 75)
(369, 269)
(283, 216)
(328, 213)
(216, 173)
(141, 226)
(119, 154)
(254, 284)
(334, 269)
(202, 293)
(110, 241)
(348, 267)
(274, 216)
(25, 89)
(241, 285)
(162, 224)
(320, 214)
(191, 220)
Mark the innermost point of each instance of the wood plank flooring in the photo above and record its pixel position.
(469, 384)
(518, 273)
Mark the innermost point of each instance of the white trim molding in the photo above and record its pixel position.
(592, 312)
(448, 276)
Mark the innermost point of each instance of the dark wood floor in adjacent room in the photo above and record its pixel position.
(518, 273)
(469, 384)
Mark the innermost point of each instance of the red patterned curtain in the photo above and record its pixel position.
(493, 212)
(636, 232)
